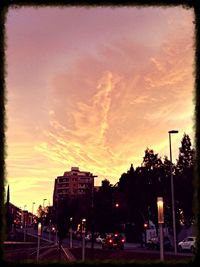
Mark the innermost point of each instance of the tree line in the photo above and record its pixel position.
(132, 201)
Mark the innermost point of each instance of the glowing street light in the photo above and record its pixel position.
(160, 222)
(172, 191)
(160, 210)
(39, 236)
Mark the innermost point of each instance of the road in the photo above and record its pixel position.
(78, 244)
(49, 251)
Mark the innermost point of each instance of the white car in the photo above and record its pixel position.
(188, 243)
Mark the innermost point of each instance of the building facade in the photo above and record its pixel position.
(19, 217)
(72, 184)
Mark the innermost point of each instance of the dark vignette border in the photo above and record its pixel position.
(4, 7)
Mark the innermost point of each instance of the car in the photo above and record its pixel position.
(113, 241)
(154, 243)
(53, 229)
(188, 243)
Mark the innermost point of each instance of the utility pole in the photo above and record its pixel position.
(172, 191)
(92, 222)
(83, 224)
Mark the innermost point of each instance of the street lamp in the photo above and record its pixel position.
(39, 236)
(172, 190)
(160, 222)
(32, 211)
(83, 226)
(70, 232)
(43, 212)
(24, 214)
(24, 223)
(33, 207)
(43, 202)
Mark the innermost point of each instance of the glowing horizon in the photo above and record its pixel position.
(93, 88)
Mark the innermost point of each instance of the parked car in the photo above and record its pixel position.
(114, 241)
(47, 229)
(188, 243)
(154, 243)
(53, 229)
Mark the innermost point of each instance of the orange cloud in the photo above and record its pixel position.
(97, 102)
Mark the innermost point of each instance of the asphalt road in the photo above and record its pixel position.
(49, 250)
(127, 246)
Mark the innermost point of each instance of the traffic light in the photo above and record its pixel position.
(146, 225)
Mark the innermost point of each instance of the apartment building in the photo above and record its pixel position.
(72, 184)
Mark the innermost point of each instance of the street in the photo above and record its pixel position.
(78, 244)
(49, 250)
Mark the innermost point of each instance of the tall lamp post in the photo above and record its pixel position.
(43, 213)
(92, 221)
(32, 211)
(172, 190)
(38, 243)
(160, 222)
(44, 202)
(83, 238)
(24, 222)
(70, 232)
(24, 214)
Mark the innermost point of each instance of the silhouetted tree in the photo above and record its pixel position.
(186, 155)
(103, 208)
(184, 178)
(40, 214)
(153, 175)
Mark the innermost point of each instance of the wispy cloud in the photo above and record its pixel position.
(98, 98)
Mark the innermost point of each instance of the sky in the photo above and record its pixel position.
(93, 88)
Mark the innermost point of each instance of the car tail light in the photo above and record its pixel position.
(123, 240)
(110, 241)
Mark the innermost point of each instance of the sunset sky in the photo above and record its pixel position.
(93, 88)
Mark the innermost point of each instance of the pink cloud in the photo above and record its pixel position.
(94, 89)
